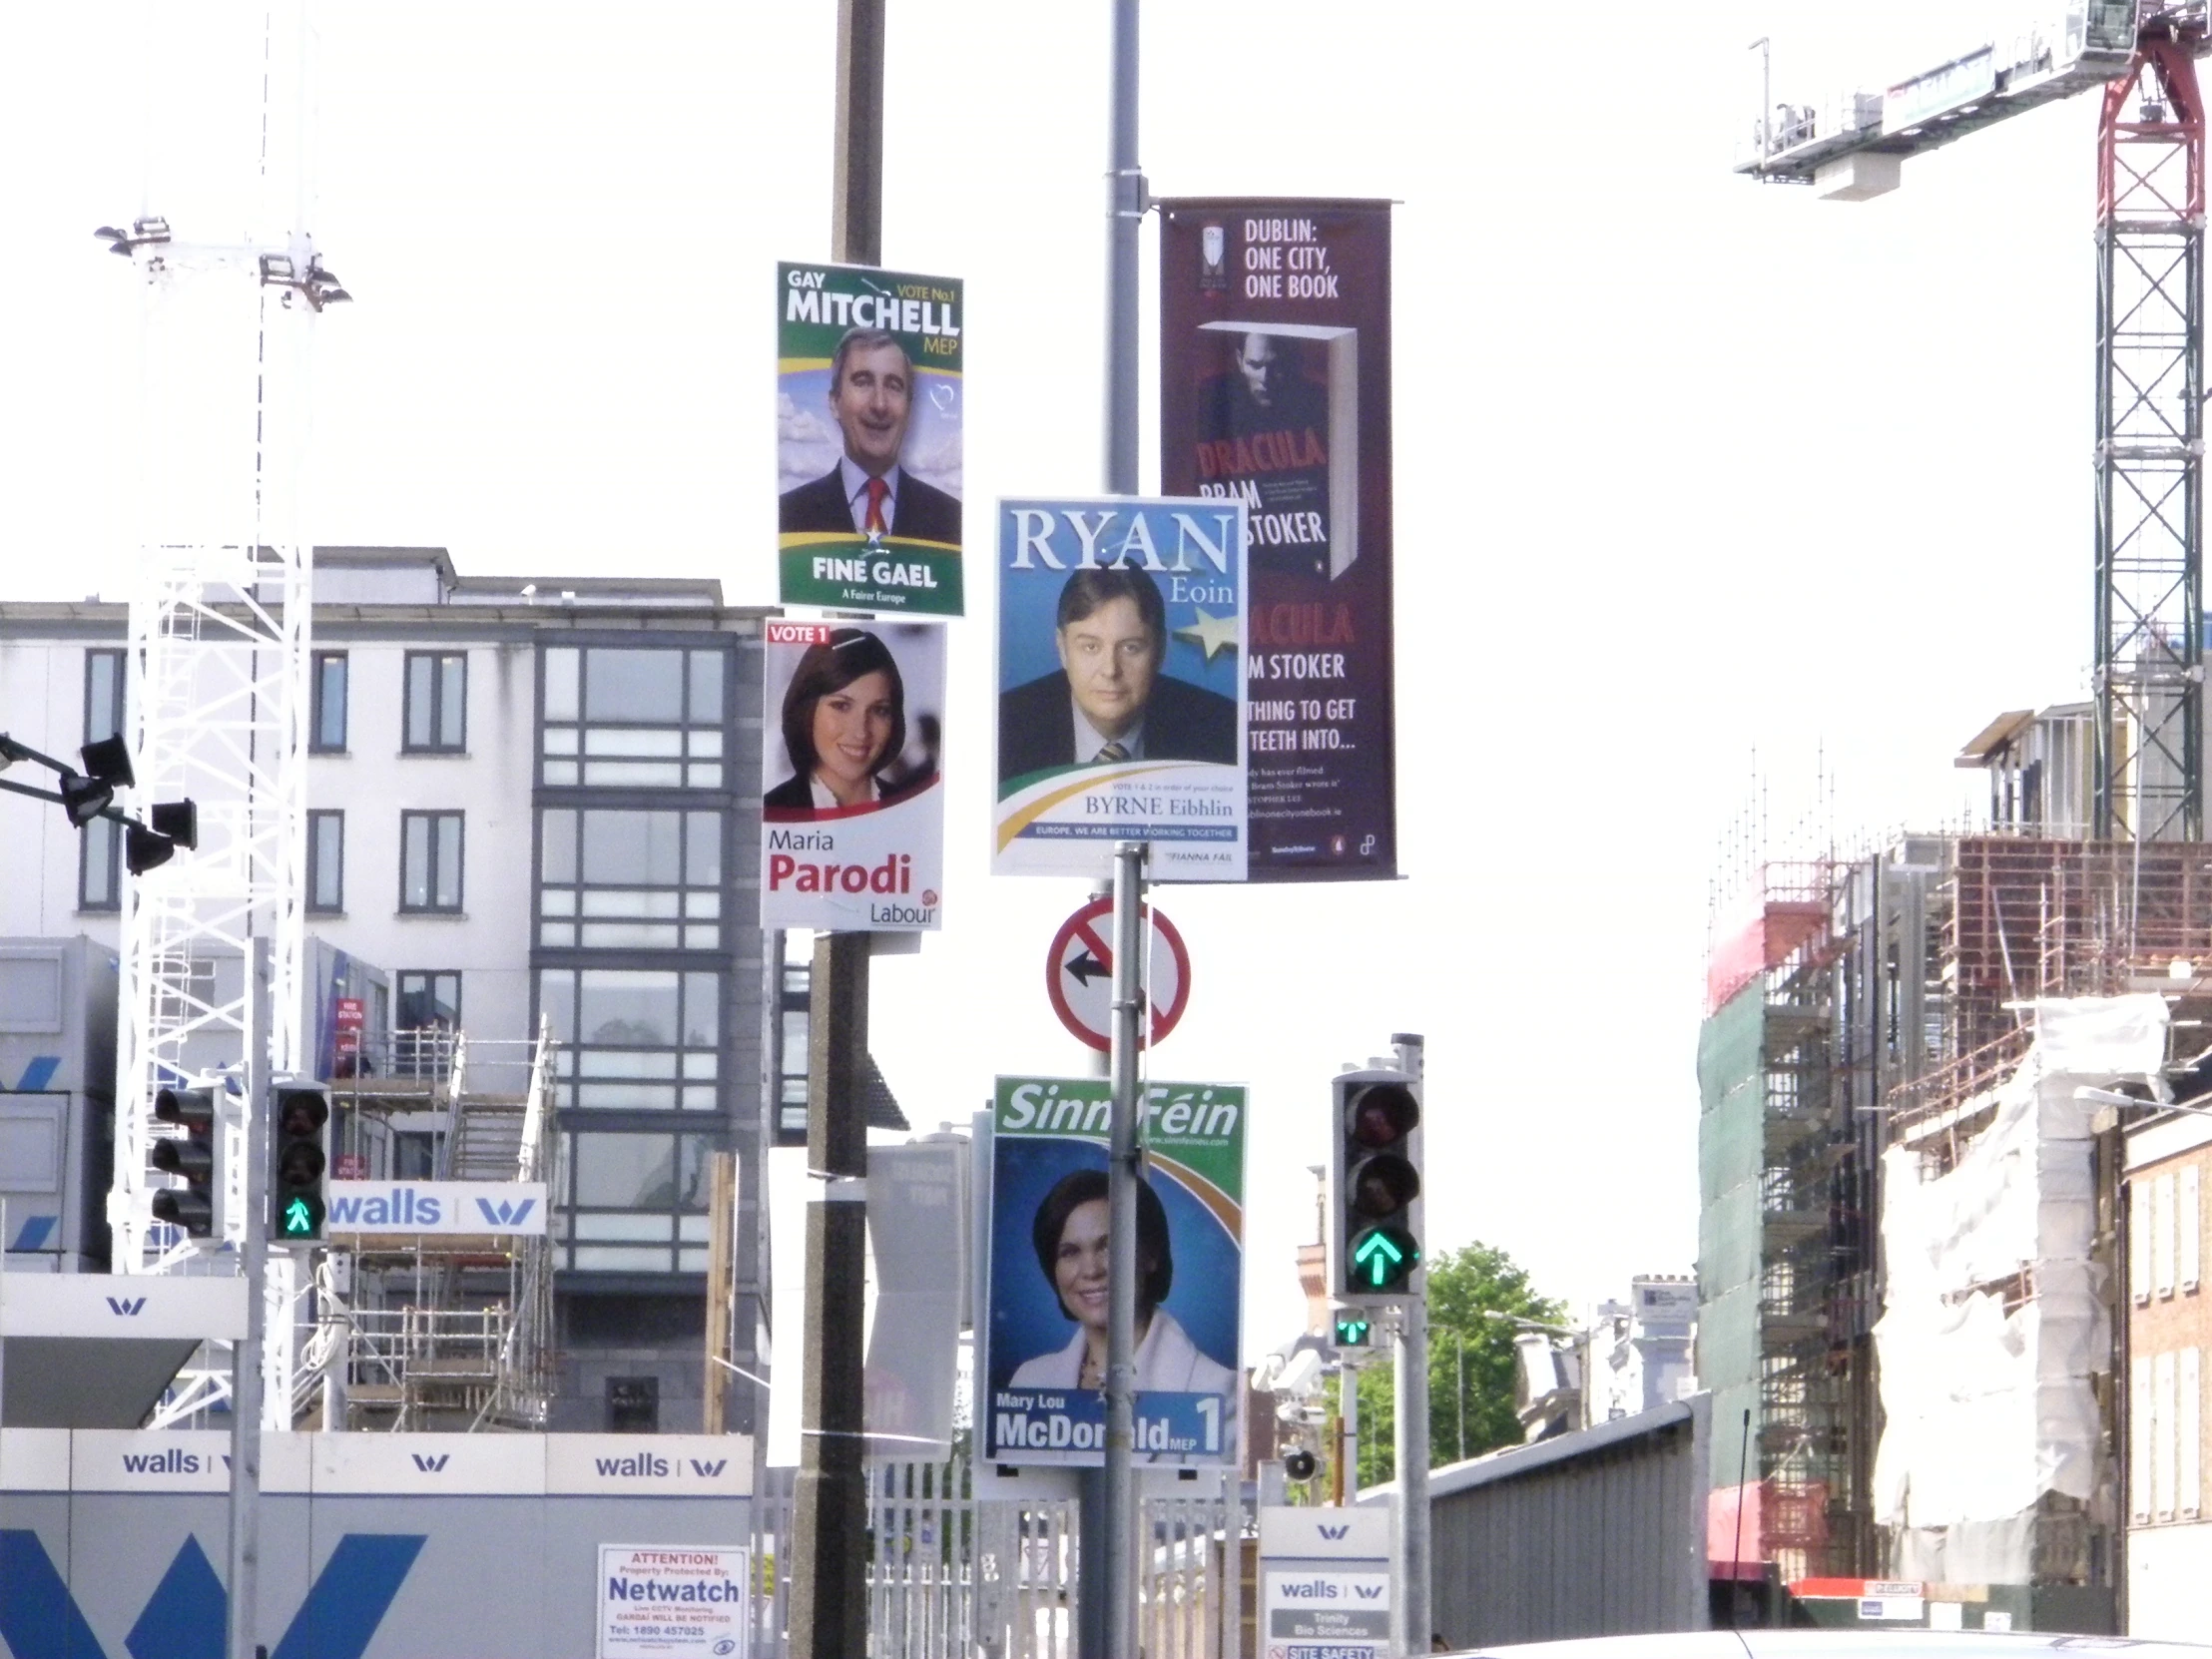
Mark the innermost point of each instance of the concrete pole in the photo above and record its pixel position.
(245, 1357)
(1347, 1400)
(1124, 1153)
(828, 1609)
(1411, 1403)
(828, 1617)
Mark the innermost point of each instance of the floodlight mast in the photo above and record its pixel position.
(2146, 668)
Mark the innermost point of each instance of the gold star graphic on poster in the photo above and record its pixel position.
(1211, 633)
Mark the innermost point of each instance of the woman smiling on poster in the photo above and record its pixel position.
(844, 722)
(1071, 1242)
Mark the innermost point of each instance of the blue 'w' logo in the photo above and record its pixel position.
(500, 1213)
(183, 1618)
(430, 1463)
(125, 1307)
(1333, 1531)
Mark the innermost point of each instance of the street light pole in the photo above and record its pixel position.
(829, 1510)
(1124, 1153)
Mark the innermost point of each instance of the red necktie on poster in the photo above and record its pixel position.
(878, 492)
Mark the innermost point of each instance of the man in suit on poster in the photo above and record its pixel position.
(1110, 702)
(872, 388)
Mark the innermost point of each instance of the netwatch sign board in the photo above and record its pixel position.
(851, 798)
(668, 1601)
(1274, 390)
(1044, 1359)
(868, 407)
(1121, 671)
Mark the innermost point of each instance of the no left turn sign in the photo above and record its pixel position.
(1079, 973)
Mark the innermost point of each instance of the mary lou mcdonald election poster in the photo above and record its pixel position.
(1044, 1361)
(851, 766)
(1121, 673)
(869, 408)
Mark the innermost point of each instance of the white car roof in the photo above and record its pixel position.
(1843, 1644)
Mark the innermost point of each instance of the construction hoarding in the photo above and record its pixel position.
(1121, 672)
(869, 413)
(1046, 1278)
(852, 802)
(1275, 330)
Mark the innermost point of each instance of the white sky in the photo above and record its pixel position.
(1686, 469)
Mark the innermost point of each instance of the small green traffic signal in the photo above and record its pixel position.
(1384, 1257)
(1352, 1331)
(298, 1160)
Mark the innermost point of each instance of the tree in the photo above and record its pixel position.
(1466, 1289)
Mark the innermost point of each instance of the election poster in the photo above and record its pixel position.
(1046, 1275)
(851, 766)
(1275, 328)
(1121, 675)
(869, 411)
(673, 1601)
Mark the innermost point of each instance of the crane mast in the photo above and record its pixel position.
(2146, 663)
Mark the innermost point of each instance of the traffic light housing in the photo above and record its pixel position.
(193, 1158)
(1375, 1183)
(299, 1162)
(1354, 1330)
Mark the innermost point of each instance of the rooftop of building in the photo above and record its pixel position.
(415, 583)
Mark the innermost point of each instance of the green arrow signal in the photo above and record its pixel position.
(1379, 1256)
(299, 1219)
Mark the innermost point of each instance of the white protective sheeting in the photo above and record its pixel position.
(1987, 1411)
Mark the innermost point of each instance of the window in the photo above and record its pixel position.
(2138, 1437)
(326, 734)
(791, 1013)
(626, 718)
(2188, 1432)
(431, 860)
(2189, 1265)
(633, 1405)
(428, 1015)
(638, 1201)
(100, 843)
(437, 701)
(325, 860)
(2138, 1239)
(635, 880)
(415, 1155)
(2162, 1236)
(2163, 1442)
(635, 1039)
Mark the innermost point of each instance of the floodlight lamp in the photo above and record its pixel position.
(2181, 968)
(109, 761)
(177, 819)
(85, 799)
(11, 752)
(143, 849)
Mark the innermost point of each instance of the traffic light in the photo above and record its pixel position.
(1353, 1329)
(193, 1158)
(300, 1117)
(1375, 1216)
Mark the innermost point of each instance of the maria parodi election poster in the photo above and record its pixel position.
(1044, 1359)
(1121, 686)
(852, 776)
(869, 408)
(1275, 387)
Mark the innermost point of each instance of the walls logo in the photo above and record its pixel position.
(1335, 1532)
(430, 1462)
(183, 1618)
(125, 1307)
(502, 1213)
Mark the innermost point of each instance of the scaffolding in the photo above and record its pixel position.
(441, 1330)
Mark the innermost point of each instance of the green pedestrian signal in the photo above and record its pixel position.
(300, 1162)
(1384, 1257)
